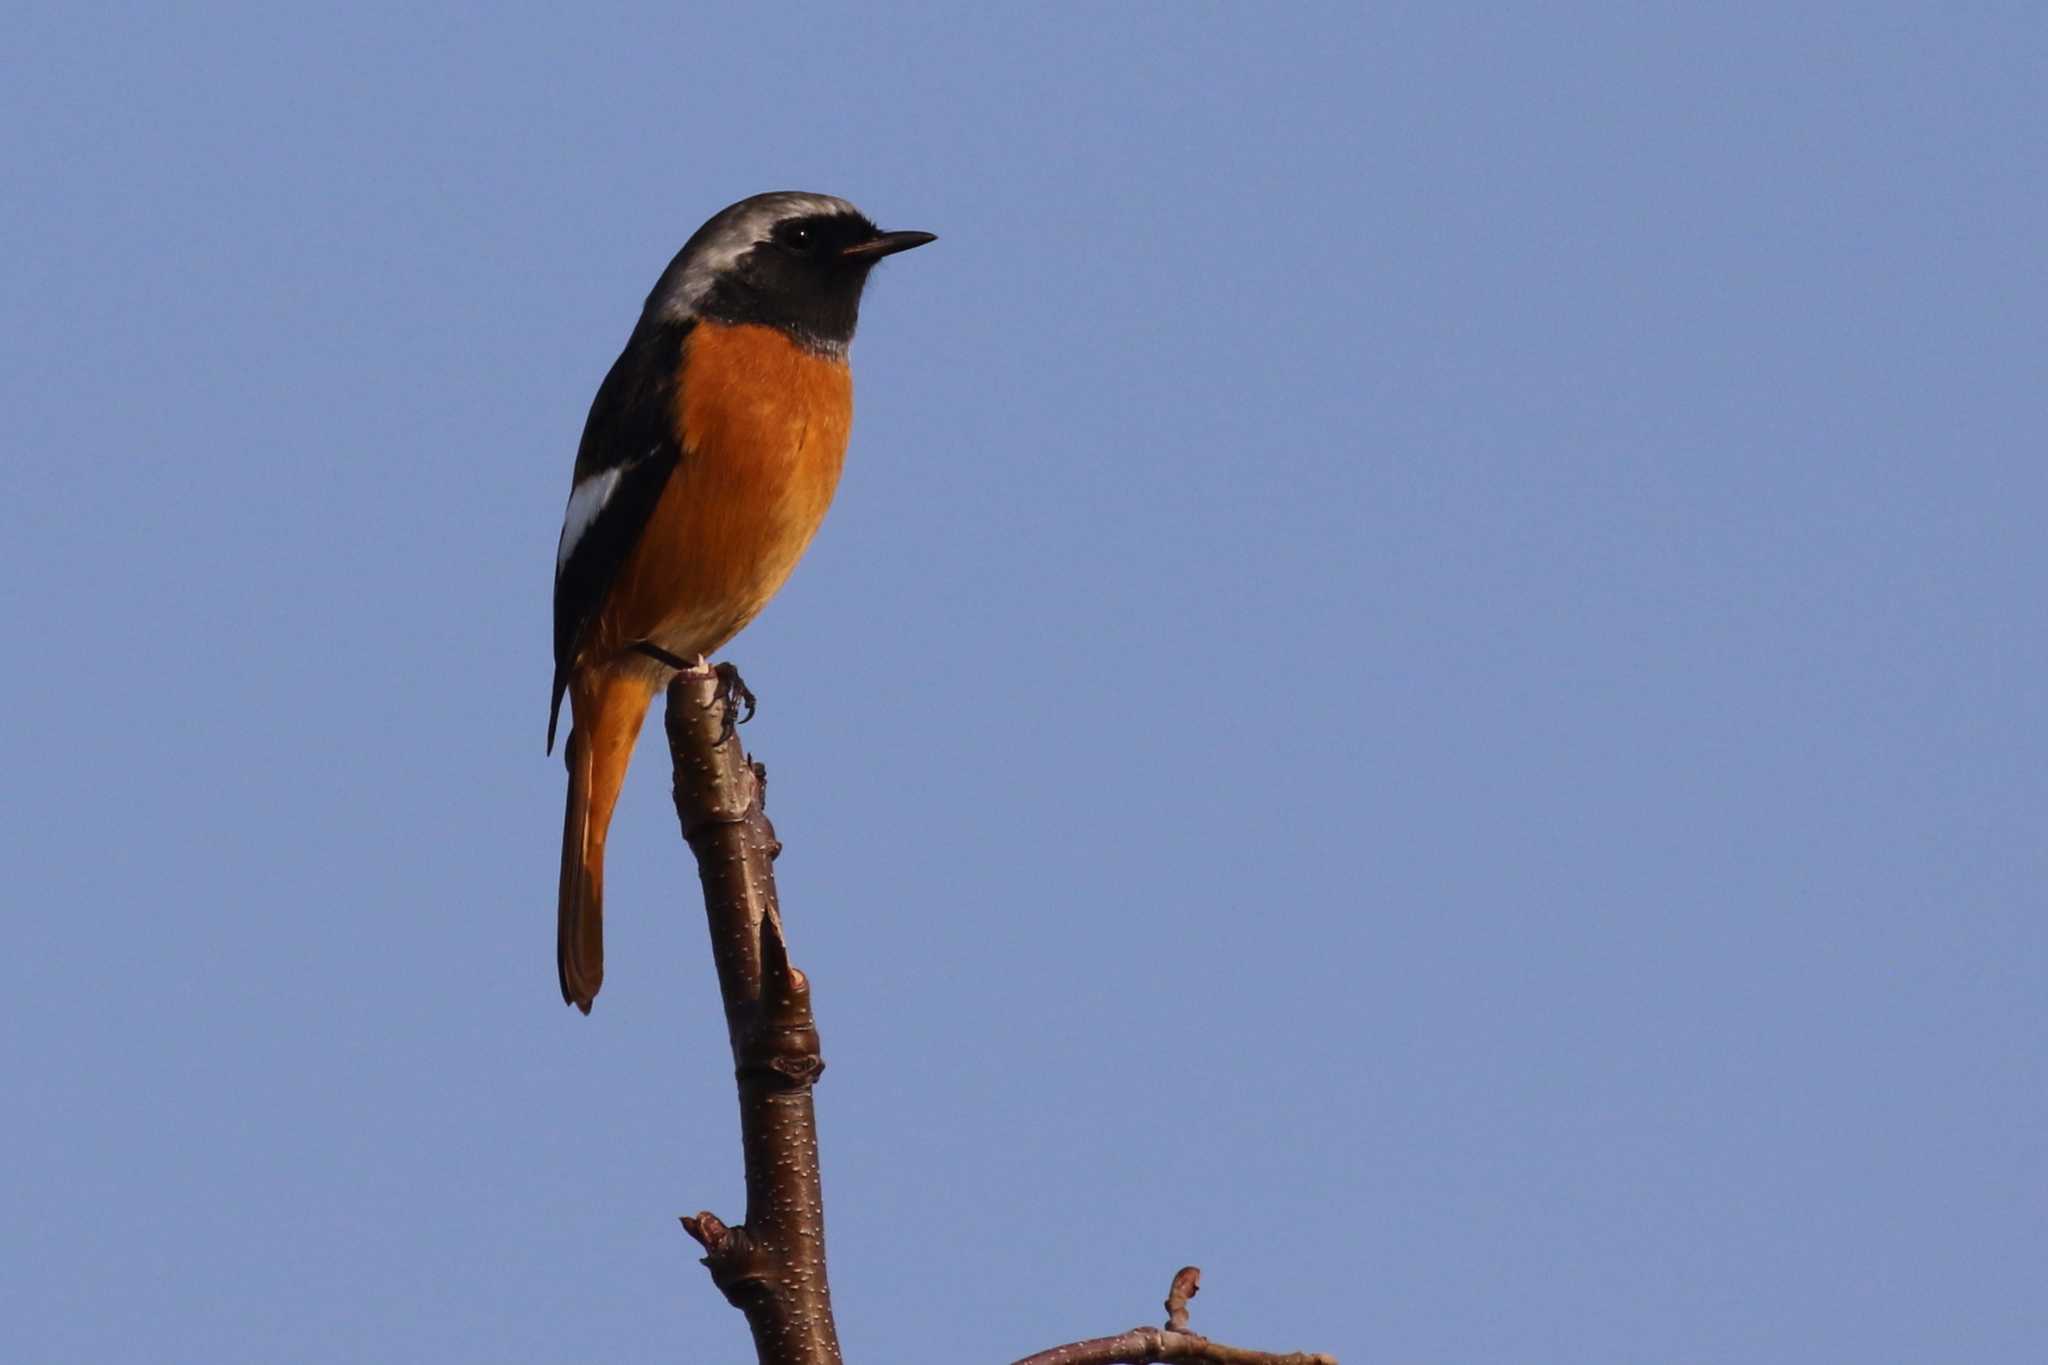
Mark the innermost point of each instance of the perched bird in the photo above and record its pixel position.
(708, 460)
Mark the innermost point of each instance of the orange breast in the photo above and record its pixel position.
(763, 424)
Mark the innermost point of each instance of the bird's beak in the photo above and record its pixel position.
(887, 244)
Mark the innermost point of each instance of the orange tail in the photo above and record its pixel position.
(607, 708)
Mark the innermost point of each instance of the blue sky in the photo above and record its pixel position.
(1425, 688)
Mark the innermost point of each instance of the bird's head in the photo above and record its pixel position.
(788, 260)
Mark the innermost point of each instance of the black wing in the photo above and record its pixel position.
(629, 450)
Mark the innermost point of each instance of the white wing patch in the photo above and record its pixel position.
(586, 500)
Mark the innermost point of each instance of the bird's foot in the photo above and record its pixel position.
(732, 691)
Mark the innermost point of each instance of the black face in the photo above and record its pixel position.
(800, 280)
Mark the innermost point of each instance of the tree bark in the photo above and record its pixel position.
(772, 1266)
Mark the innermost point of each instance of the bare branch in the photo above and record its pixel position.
(772, 1266)
(1146, 1345)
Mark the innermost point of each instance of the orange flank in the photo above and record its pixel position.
(762, 425)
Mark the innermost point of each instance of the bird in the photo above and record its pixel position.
(709, 458)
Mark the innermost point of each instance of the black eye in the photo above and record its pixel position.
(800, 237)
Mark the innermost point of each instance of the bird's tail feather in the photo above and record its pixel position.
(607, 715)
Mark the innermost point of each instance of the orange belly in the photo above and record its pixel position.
(763, 425)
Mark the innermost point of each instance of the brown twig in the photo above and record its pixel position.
(1187, 1282)
(772, 1266)
(1146, 1345)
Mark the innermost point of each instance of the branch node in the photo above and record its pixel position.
(798, 1071)
(738, 1267)
(1187, 1282)
(780, 1050)
(709, 1231)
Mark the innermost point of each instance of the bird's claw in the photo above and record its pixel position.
(732, 691)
